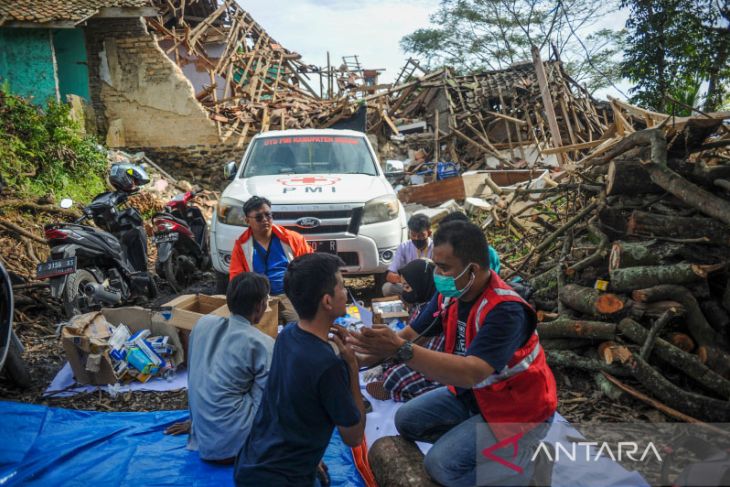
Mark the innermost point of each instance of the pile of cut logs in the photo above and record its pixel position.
(639, 281)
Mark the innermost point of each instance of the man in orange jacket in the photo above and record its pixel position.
(267, 249)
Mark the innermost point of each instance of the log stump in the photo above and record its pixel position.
(397, 462)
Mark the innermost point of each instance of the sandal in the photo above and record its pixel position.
(378, 390)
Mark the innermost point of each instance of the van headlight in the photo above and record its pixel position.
(380, 209)
(230, 212)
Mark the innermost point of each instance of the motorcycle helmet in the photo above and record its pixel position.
(127, 177)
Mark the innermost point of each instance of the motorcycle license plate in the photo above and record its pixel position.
(55, 268)
(165, 237)
(325, 246)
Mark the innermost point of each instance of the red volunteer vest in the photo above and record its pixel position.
(524, 391)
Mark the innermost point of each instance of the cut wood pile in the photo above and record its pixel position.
(531, 113)
(629, 258)
(250, 83)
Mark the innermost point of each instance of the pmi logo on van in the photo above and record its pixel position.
(310, 184)
(309, 181)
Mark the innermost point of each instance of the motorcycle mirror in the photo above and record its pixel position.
(67, 203)
(229, 170)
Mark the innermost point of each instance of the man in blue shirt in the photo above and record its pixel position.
(228, 364)
(267, 248)
(313, 384)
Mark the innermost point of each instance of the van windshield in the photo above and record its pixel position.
(309, 155)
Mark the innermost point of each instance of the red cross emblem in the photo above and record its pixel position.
(308, 181)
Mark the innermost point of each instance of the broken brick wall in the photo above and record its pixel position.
(198, 164)
(141, 98)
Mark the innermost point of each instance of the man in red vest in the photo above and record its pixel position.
(266, 248)
(486, 425)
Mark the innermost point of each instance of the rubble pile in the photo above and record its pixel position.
(530, 114)
(252, 83)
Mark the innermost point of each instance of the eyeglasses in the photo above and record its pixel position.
(263, 216)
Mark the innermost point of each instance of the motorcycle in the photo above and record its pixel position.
(11, 350)
(182, 240)
(90, 267)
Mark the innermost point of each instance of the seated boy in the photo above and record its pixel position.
(228, 364)
(311, 388)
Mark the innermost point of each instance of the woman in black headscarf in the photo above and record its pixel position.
(400, 382)
(418, 286)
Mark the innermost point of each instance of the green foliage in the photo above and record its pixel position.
(44, 151)
(673, 48)
(471, 35)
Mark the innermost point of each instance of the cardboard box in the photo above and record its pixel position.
(383, 317)
(187, 309)
(87, 335)
(268, 324)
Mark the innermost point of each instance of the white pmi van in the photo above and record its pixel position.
(325, 184)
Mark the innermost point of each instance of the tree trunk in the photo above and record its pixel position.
(726, 297)
(632, 254)
(567, 328)
(629, 177)
(715, 359)
(641, 277)
(697, 405)
(571, 360)
(684, 362)
(596, 257)
(656, 309)
(689, 193)
(612, 352)
(682, 341)
(716, 316)
(590, 301)
(698, 230)
(397, 462)
(698, 326)
(564, 343)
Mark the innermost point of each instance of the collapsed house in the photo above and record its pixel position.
(531, 113)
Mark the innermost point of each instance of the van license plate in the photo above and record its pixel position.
(55, 268)
(324, 246)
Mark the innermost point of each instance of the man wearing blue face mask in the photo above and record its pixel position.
(492, 361)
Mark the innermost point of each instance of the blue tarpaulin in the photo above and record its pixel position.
(52, 446)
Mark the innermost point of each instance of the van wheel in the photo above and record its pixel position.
(221, 282)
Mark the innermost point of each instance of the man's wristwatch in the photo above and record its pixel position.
(404, 353)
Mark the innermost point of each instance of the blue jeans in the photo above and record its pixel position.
(441, 418)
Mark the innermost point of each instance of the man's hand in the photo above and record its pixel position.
(379, 341)
(367, 360)
(341, 337)
(179, 428)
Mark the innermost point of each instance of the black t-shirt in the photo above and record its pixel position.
(306, 396)
(506, 328)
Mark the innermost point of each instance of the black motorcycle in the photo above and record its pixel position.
(182, 240)
(93, 267)
(11, 350)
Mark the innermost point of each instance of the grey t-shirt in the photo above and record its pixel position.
(228, 365)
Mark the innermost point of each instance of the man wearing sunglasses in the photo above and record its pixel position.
(267, 249)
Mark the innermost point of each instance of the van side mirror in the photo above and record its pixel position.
(229, 170)
(393, 166)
